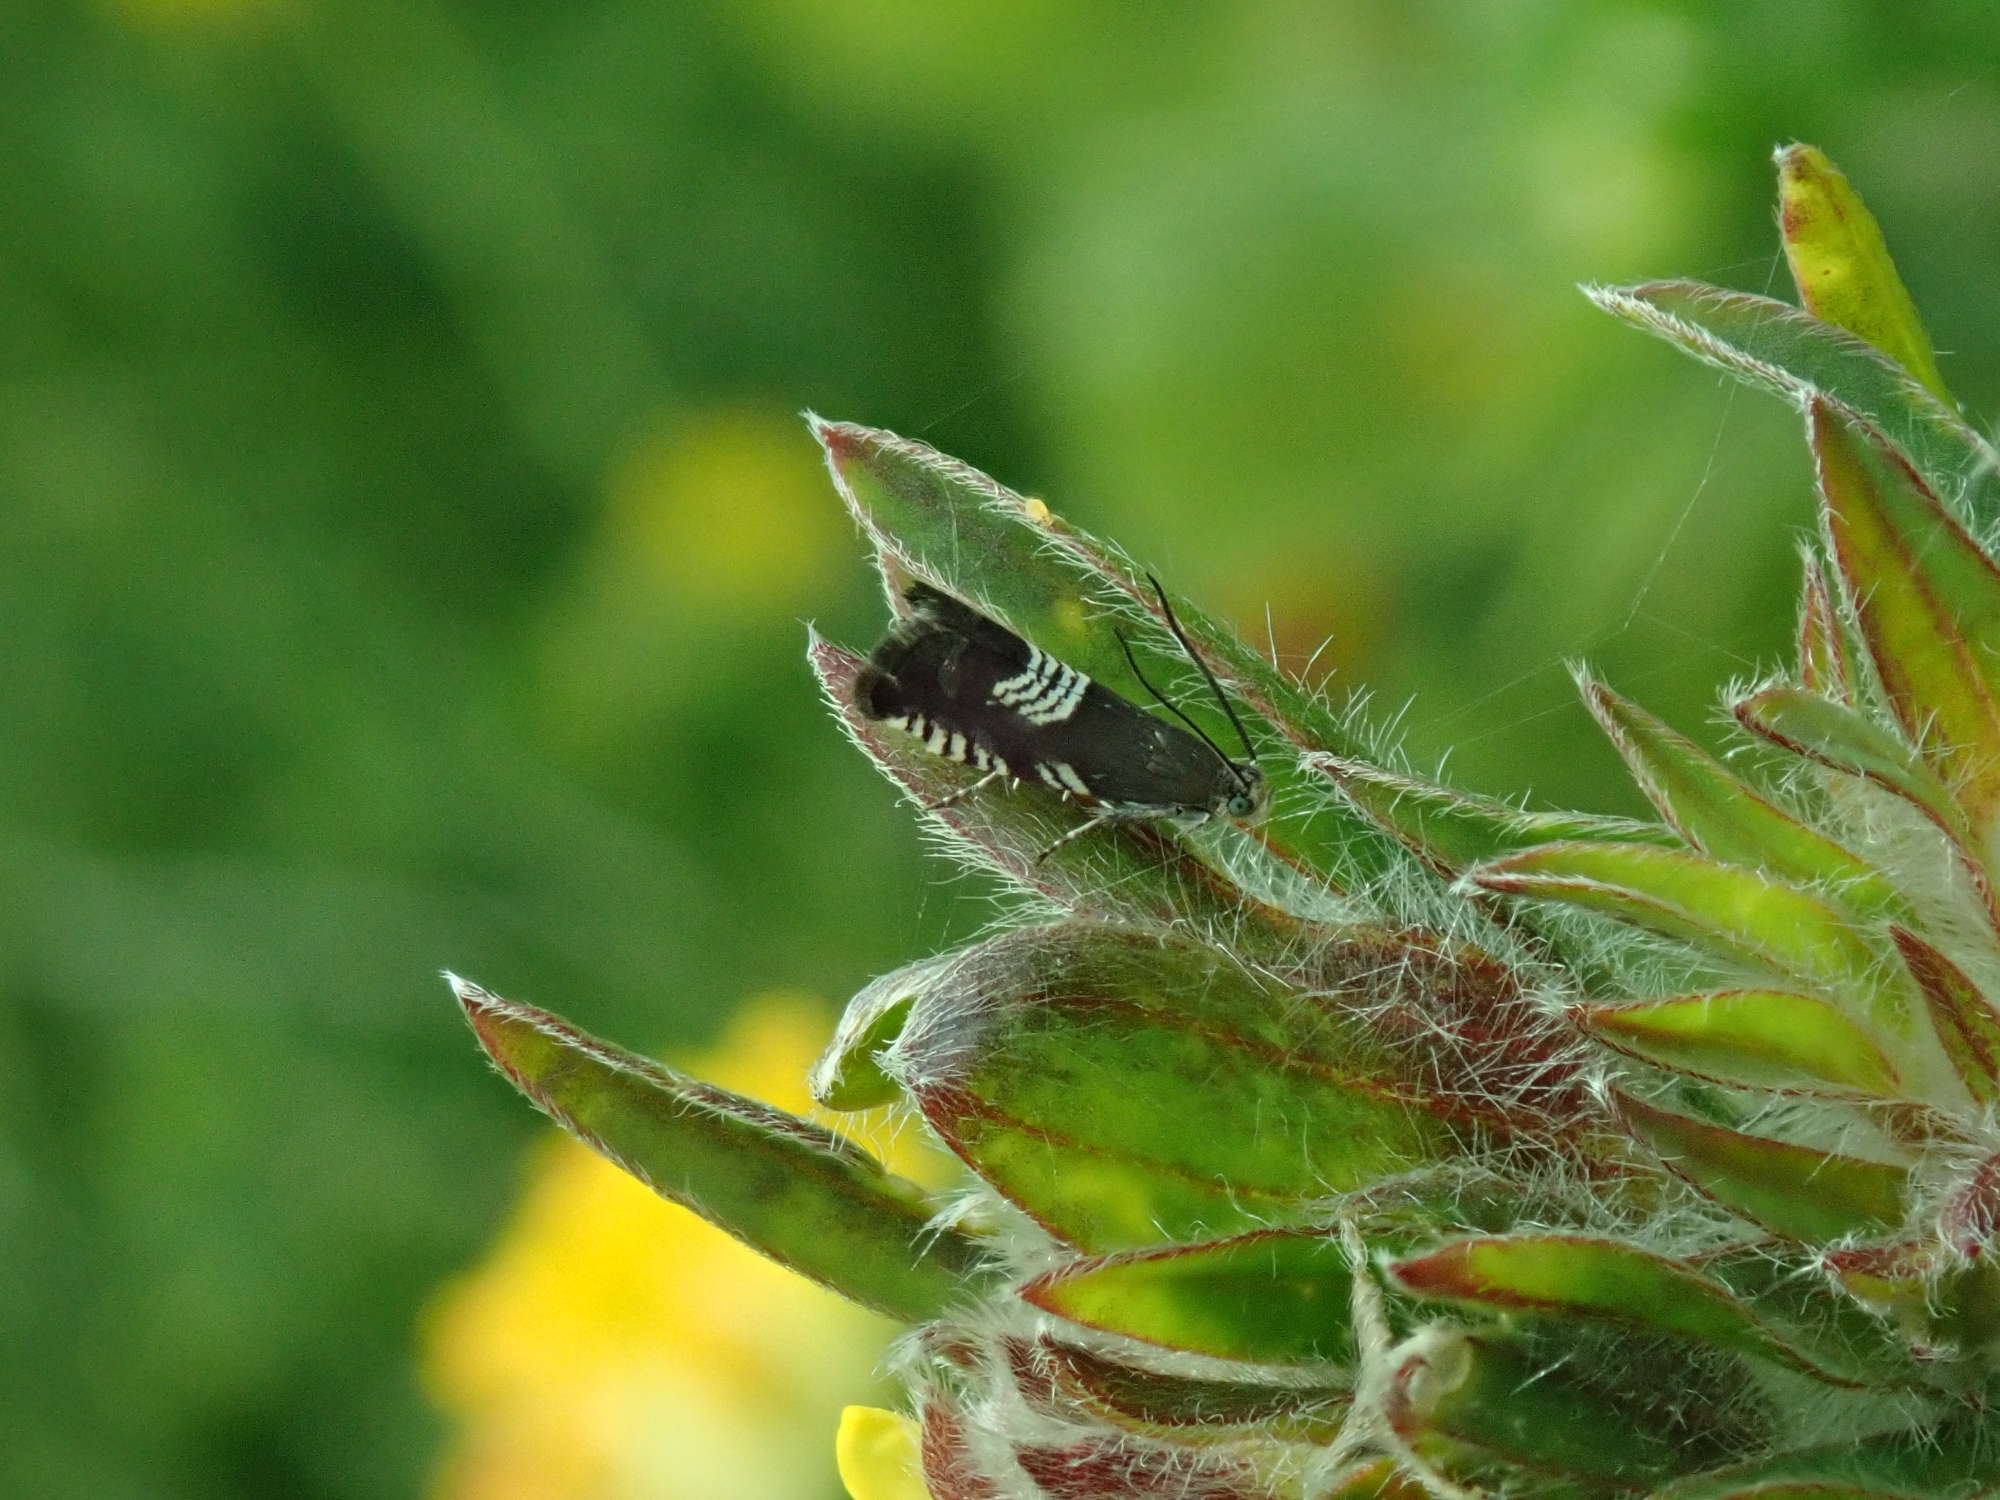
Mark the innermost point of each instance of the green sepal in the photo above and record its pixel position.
(1733, 913)
(1724, 817)
(1961, 1014)
(1894, 1280)
(1797, 1191)
(1082, 1069)
(1120, 870)
(1762, 1039)
(1567, 1409)
(1450, 830)
(1844, 738)
(1768, 343)
(848, 1074)
(1174, 1407)
(793, 1192)
(1826, 658)
(1841, 266)
(1582, 1277)
(945, 522)
(1926, 599)
(1952, 1461)
(1270, 1297)
(1785, 1286)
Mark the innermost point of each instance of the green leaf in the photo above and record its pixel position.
(1733, 913)
(1763, 1039)
(1954, 1461)
(1567, 1409)
(1450, 830)
(1176, 1407)
(1846, 739)
(791, 1191)
(954, 527)
(1802, 1193)
(1085, 1072)
(1962, 1015)
(1841, 264)
(1786, 1288)
(1927, 600)
(1797, 355)
(1273, 1297)
(1575, 1276)
(1725, 818)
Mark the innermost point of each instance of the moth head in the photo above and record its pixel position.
(1252, 792)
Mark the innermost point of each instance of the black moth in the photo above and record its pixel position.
(976, 693)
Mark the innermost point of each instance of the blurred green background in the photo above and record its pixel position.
(407, 529)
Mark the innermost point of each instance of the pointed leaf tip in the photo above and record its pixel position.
(1841, 263)
(1772, 344)
(789, 1189)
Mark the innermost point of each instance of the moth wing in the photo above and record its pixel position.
(1128, 757)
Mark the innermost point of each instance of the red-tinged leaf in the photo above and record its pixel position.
(952, 526)
(1127, 1468)
(1826, 662)
(1728, 820)
(1060, 1378)
(1799, 356)
(1272, 1297)
(1944, 1303)
(1841, 264)
(1926, 598)
(954, 1469)
(1575, 1276)
(1842, 737)
(1735, 914)
(790, 1190)
(1894, 1278)
(1796, 1191)
(1450, 830)
(1121, 870)
(1764, 1039)
(1970, 1218)
(1964, 1018)
(1082, 1071)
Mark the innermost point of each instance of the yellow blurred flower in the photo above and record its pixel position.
(715, 535)
(880, 1454)
(613, 1345)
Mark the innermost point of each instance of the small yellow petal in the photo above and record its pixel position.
(880, 1455)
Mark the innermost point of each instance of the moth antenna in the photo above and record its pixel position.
(1174, 708)
(1174, 624)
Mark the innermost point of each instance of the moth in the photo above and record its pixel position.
(976, 693)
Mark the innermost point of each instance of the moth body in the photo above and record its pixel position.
(975, 693)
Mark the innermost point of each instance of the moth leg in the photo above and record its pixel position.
(1076, 833)
(965, 791)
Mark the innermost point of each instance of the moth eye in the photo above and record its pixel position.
(1242, 805)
